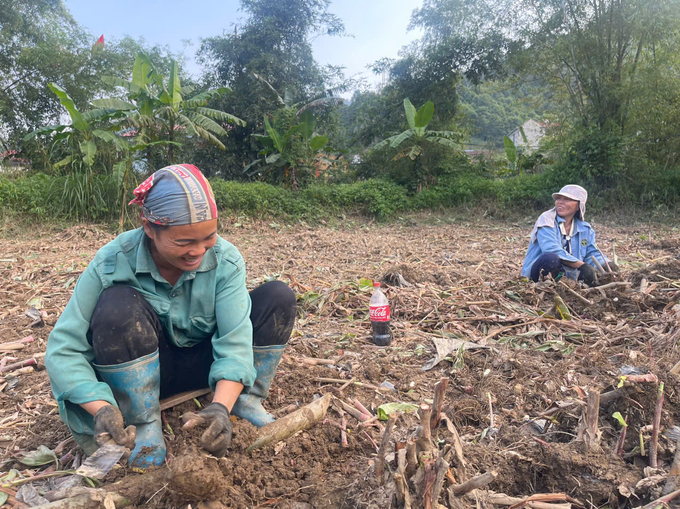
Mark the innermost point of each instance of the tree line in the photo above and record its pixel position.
(601, 73)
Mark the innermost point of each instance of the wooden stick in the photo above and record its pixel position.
(343, 431)
(352, 411)
(380, 460)
(655, 429)
(312, 361)
(575, 294)
(358, 384)
(286, 426)
(539, 501)
(609, 396)
(491, 419)
(503, 329)
(17, 345)
(475, 483)
(182, 397)
(20, 364)
(597, 264)
(11, 494)
(662, 500)
(605, 259)
(438, 403)
(615, 284)
(648, 378)
(362, 408)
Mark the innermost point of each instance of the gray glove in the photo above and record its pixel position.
(108, 424)
(217, 438)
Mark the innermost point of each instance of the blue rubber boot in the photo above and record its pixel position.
(136, 385)
(249, 404)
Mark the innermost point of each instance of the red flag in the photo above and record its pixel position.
(99, 43)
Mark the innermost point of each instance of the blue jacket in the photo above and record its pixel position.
(549, 240)
(208, 304)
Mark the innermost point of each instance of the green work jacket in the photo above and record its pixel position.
(208, 304)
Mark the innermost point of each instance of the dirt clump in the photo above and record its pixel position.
(193, 475)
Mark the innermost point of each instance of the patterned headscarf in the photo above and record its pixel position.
(176, 195)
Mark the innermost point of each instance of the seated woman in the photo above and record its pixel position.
(161, 310)
(562, 243)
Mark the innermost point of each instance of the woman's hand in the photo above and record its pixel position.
(108, 424)
(587, 274)
(217, 438)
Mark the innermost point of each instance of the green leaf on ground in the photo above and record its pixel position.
(385, 410)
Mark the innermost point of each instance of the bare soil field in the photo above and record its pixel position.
(525, 406)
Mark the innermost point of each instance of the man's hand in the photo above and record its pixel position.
(217, 438)
(108, 423)
(587, 274)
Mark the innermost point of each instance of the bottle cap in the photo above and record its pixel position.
(376, 284)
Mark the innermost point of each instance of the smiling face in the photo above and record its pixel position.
(181, 247)
(566, 207)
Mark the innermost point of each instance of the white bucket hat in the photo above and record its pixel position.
(575, 193)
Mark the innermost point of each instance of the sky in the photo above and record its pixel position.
(379, 27)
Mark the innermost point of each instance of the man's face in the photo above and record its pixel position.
(183, 246)
(566, 207)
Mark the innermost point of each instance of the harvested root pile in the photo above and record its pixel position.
(545, 395)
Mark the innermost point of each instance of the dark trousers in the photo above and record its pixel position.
(124, 327)
(547, 263)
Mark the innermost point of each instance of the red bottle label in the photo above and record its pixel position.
(380, 313)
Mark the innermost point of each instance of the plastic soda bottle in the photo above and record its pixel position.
(380, 317)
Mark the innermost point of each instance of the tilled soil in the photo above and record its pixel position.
(451, 279)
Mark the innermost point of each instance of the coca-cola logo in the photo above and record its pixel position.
(380, 313)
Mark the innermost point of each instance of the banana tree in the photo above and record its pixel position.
(292, 147)
(418, 136)
(417, 132)
(156, 108)
(81, 134)
(513, 153)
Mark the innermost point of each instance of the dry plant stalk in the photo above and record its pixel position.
(424, 441)
(591, 415)
(673, 480)
(361, 408)
(661, 501)
(428, 483)
(286, 426)
(653, 448)
(476, 482)
(380, 460)
(403, 494)
(411, 458)
(352, 411)
(441, 468)
(26, 362)
(343, 431)
(439, 395)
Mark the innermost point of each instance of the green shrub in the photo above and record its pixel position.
(79, 197)
(25, 195)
